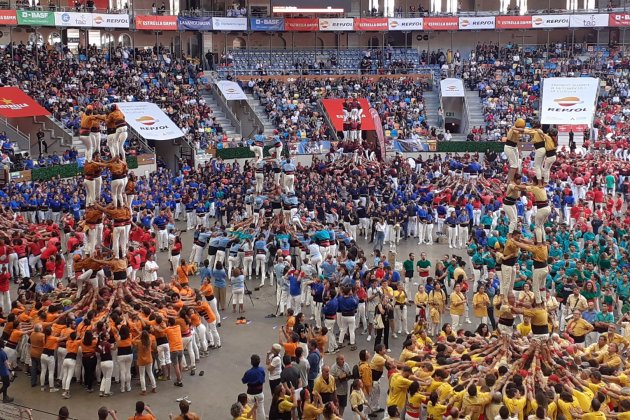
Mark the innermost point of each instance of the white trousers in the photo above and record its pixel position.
(118, 191)
(94, 238)
(258, 152)
(120, 239)
(121, 137)
(48, 367)
(67, 370)
(539, 157)
(95, 141)
(462, 236)
(148, 370)
(546, 171)
(513, 156)
(124, 363)
(348, 324)
(512, 215)
(539, 277)
(90, 191)
(261, 267)
(107, 369)
(87, 143)
(289, 183)
(162, 240)
(539, 223)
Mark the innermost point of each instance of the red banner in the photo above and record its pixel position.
(441, 24)
(334, 108)
(513, 22)
(378, 24)
(577, 128)
(156, 23)
(619, 19)
(8, 17)
(301, 24)
(15, 104)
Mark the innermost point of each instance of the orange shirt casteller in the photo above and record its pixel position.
(174, 336)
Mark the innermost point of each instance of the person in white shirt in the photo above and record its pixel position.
(150, 269)
(274, 366)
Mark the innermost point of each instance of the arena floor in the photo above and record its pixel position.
(213, 393)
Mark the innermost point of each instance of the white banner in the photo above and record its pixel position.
(405, 24)
(149, 121)
(110, 21)
(589, 21)
(452, 88)
(231, 90)
(73, 19)
(550, 21)
(569, 100)
(475, 22)
(338, 24)
(229, 24)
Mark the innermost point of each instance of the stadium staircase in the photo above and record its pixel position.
(220, 116)
(475, 116)
(431, 106)
(57, 137)
(262, 114)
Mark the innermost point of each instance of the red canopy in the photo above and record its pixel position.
(15, 104)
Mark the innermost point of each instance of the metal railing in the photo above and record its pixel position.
(220, 100)
(326, 117)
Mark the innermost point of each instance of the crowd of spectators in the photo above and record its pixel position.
(65, 83)
(294, 108)
(508, 80)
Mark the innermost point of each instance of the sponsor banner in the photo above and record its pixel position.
(149, 121)
(156, 23)
(301, 24)
(550, 21)
(73, 19)
(513, 22)
(619, 19)
(577, 128)
(194, 23)
(405, 24)
(14, 103)
(231, 90)
(441, 24)
(334, 108)
(266, 24)
(35, 18)
(229, 24)
(338, 24)
(593, 20)
(8, 17)
(569, 100)
(110, 21)
(475, 22)
(376, 119)
(452, 88)
(376, 24)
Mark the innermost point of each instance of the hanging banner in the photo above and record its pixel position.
(8, 17)
(378, 126)
(339, 24)
(149, 121)
(619, 20)
(231, 90)
(475, 22)
(452, 88)
(334, 108)
(569, 100)
(441, 24)
(513, 22)
(14, 103)
(32, 18)
(266, 24)
(229, 24)
(156, 23)
(550, 21)
(73, 19)
(301, 24)
(405, 24)
(194, 23)
(110, 21)
(594, 20)
(375, 24)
